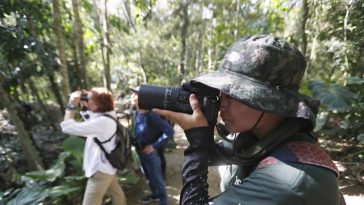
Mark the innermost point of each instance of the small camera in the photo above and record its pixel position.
(84, 97)
(177, 99)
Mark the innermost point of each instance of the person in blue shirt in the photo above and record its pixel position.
(151, 131)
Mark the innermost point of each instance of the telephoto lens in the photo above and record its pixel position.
(167, 98)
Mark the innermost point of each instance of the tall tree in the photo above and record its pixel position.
(80, 46)
(126, 10)
(184, 37)
(106, 43)
(61, 51)
(29, 149)
(305, 10)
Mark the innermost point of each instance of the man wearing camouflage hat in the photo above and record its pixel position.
(277, 158)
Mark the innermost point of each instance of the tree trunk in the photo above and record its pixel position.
(61, 52)
(74, 70)
(54, 87)
(346, 20)
(77, 70)
(305, 11)
(126, 9)
(29, 150)
(210, 48)
(184, 36)
(79, 44)
(236, 19)
(108, 46)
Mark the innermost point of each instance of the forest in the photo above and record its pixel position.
(49, 48)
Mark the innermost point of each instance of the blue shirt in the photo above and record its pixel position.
(150, 128)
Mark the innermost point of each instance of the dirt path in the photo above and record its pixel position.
(354, 196)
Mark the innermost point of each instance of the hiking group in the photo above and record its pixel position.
(269, 154)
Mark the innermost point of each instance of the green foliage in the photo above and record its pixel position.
(30, 195)
(57, 193)
(50, 175)
(341, 116)
(146, 47)
(56, 185)
(333, 96)
(38, 183)
(360, 138)
(75, 146)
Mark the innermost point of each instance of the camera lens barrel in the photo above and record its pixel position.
(168, 98)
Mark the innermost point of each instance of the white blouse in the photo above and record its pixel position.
(95, 125)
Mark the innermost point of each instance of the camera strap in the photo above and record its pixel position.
(243, 155)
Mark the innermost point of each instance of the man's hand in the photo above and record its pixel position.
(186, 121)
(75, 98)
(148, 149)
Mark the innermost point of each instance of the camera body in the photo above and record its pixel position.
(84, 96)
(177, 99)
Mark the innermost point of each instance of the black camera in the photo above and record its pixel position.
(177, 99)
(84, 97)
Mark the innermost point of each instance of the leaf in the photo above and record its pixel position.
(355, 80)
(333, 96)
(62, 190)
(51, 174)
(360, 138)
(321, 120)
(75, 146)
(72, 144)
(29, 196)
(129, 179)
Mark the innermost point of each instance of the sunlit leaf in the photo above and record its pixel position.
(333, 96)
(62, 190)
(321, 120)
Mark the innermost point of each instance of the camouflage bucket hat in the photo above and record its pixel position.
(264, 72)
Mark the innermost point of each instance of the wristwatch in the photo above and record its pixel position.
(70, 106)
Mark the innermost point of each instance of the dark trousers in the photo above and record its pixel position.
(152, 170)
(162, 157)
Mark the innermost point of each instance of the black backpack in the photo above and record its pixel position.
(121, 155)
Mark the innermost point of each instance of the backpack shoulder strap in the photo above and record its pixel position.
(117, 127)
(300, 152)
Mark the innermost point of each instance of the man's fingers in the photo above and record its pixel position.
(165, 113)
(186, 121)
(194, 102)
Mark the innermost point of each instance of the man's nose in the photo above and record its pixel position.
(223, 103)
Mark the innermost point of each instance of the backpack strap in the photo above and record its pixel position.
(117, 127)
(108, 140)
(300, 152)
